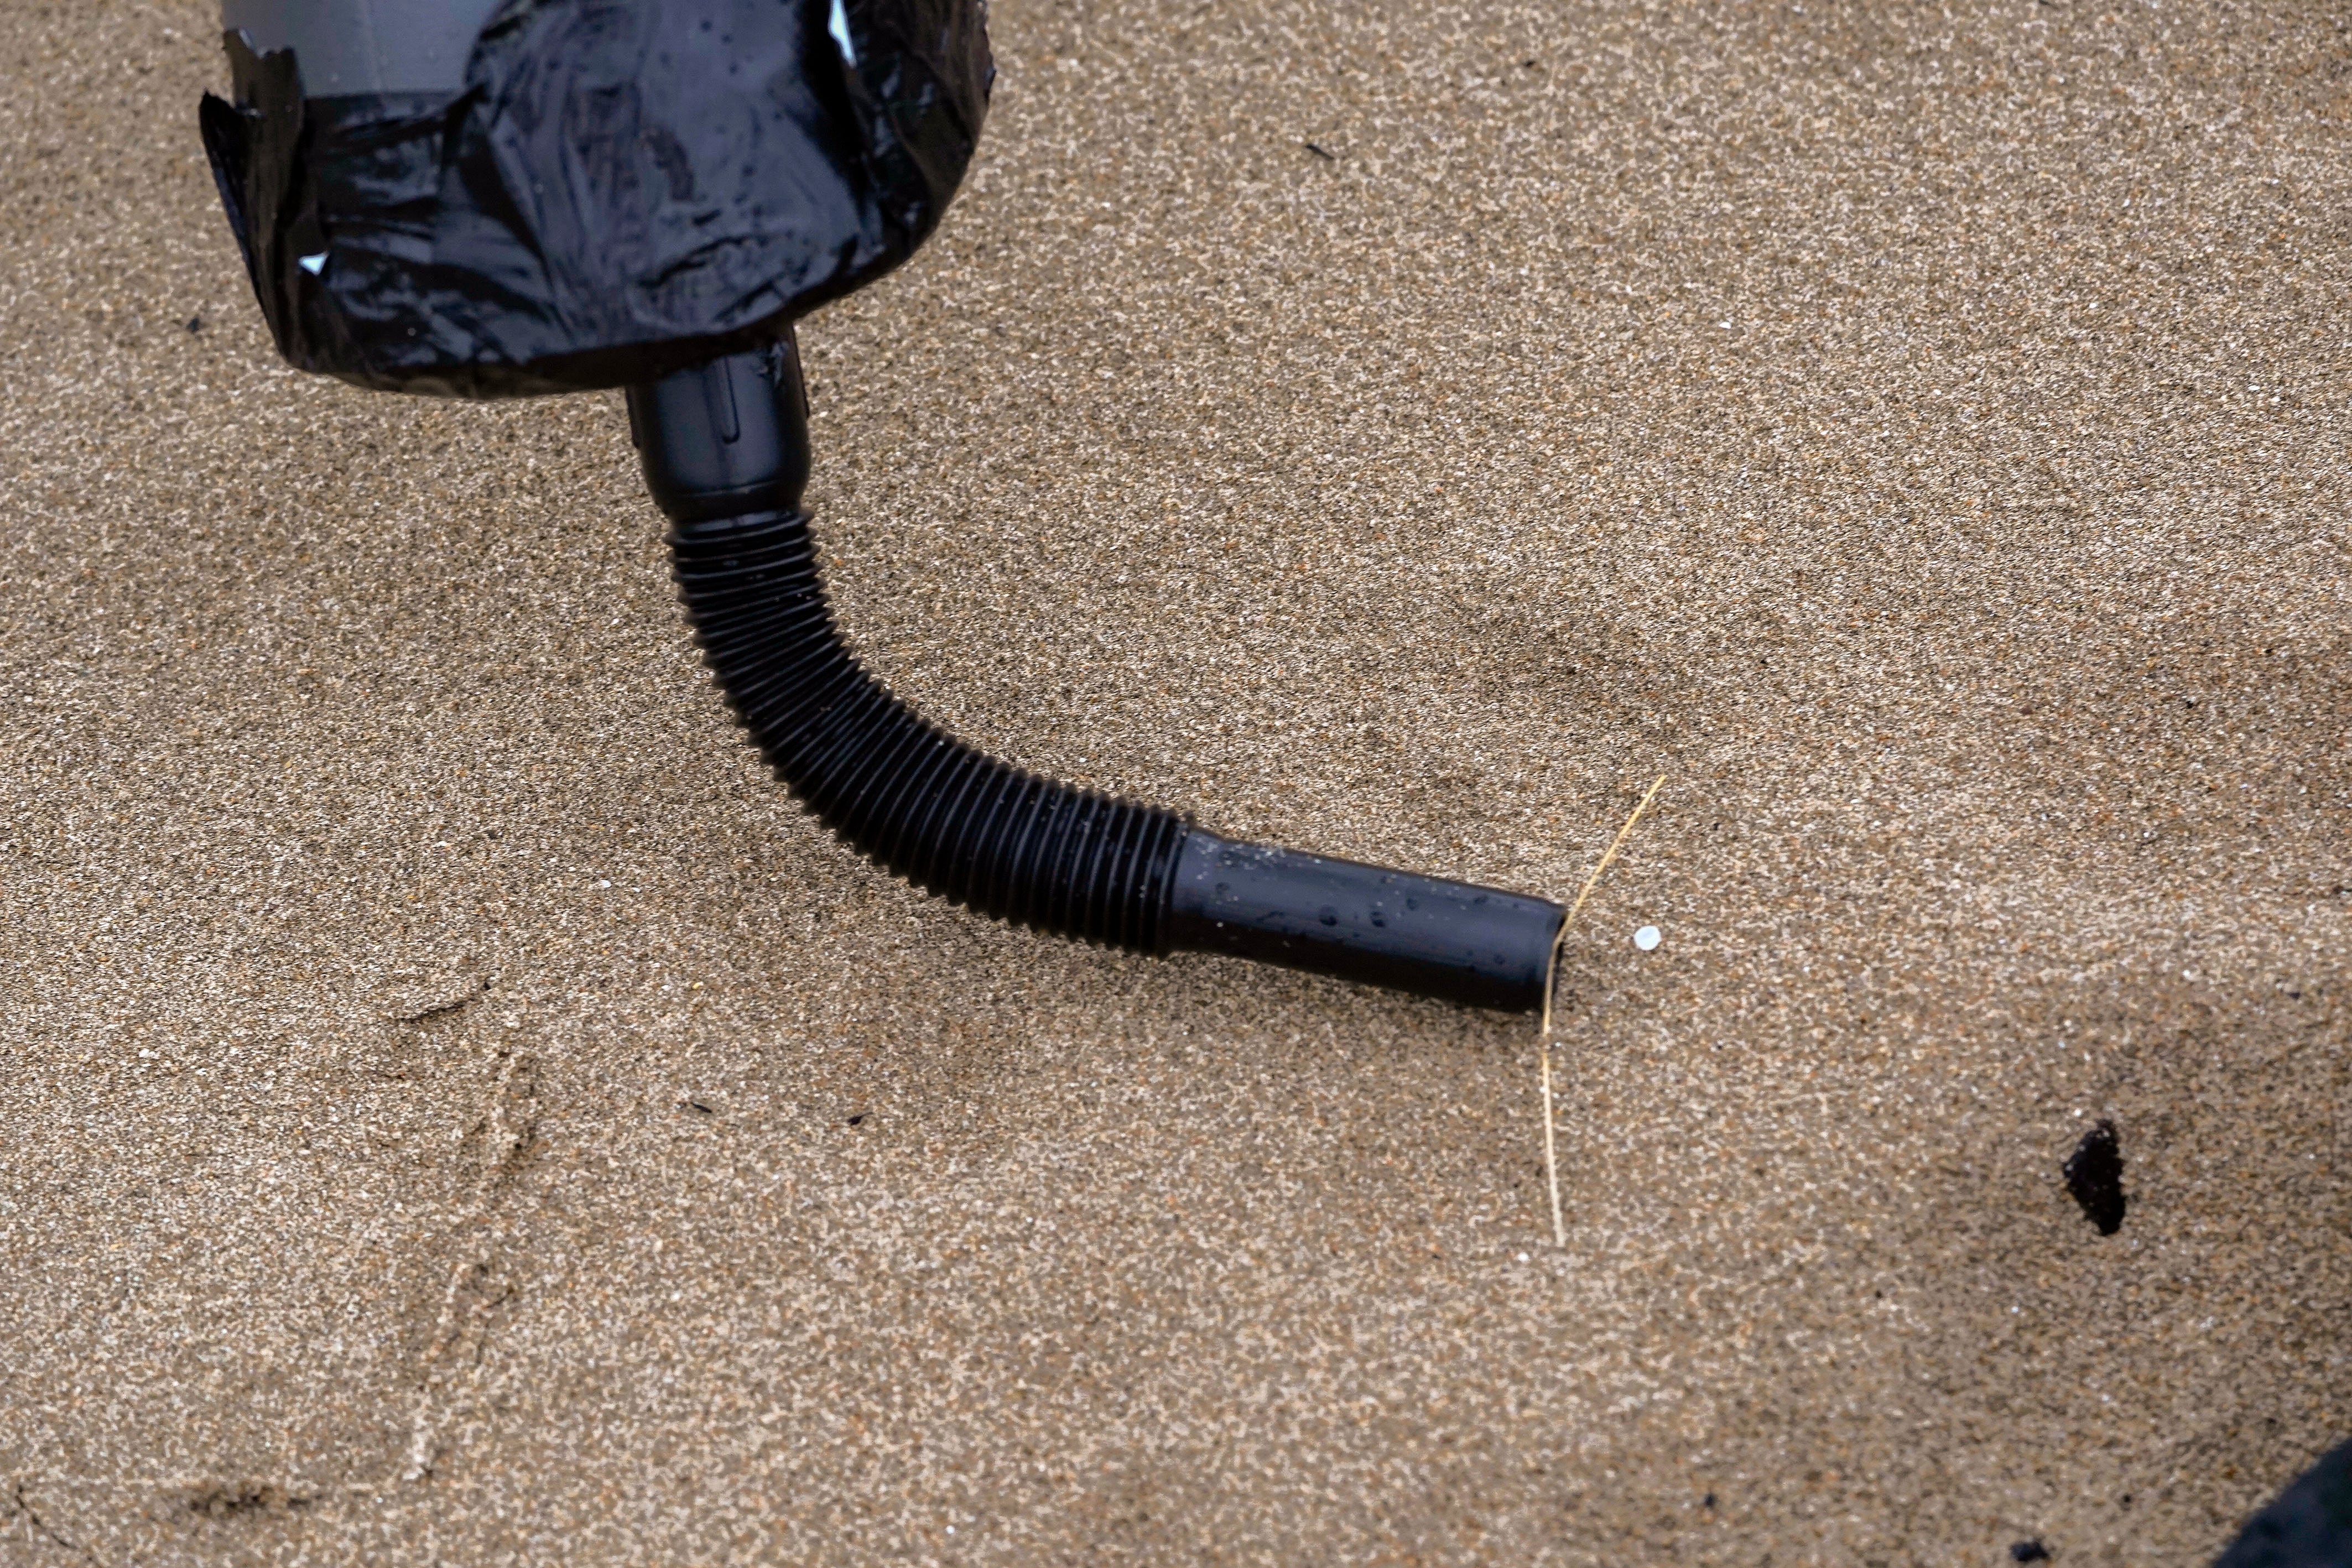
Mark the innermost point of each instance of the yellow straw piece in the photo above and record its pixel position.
(1551, 976)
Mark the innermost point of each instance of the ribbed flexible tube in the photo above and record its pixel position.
(908, 796)
(725, 448)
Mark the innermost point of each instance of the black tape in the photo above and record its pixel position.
(2308, 1525)
(625, 188)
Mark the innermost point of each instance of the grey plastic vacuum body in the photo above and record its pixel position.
(466, 198)
(350, 47)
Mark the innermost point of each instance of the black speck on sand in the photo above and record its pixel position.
(2095, 1176)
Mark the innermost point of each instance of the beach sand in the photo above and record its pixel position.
(460, 1110)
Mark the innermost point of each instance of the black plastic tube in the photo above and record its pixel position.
(1450, 939)
(725, 449)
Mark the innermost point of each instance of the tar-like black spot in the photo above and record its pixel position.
(2029, 1552)
(2094, 1174)
(222, 1502)
(1707, 1501)
(195, 323)
(859, 1117)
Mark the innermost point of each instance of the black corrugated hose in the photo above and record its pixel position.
(725, 449)
(899, 791)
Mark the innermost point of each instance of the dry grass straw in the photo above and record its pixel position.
(1551, 977)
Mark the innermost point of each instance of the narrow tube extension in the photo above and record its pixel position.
(1452, 939)
(725, 450)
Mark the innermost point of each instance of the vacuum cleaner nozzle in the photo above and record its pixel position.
(725, 449)
(470, 199)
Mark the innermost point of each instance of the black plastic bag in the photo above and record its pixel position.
(624, 188)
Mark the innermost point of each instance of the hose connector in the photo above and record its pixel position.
(726, 438)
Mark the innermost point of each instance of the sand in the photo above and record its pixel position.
(458, 1110)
